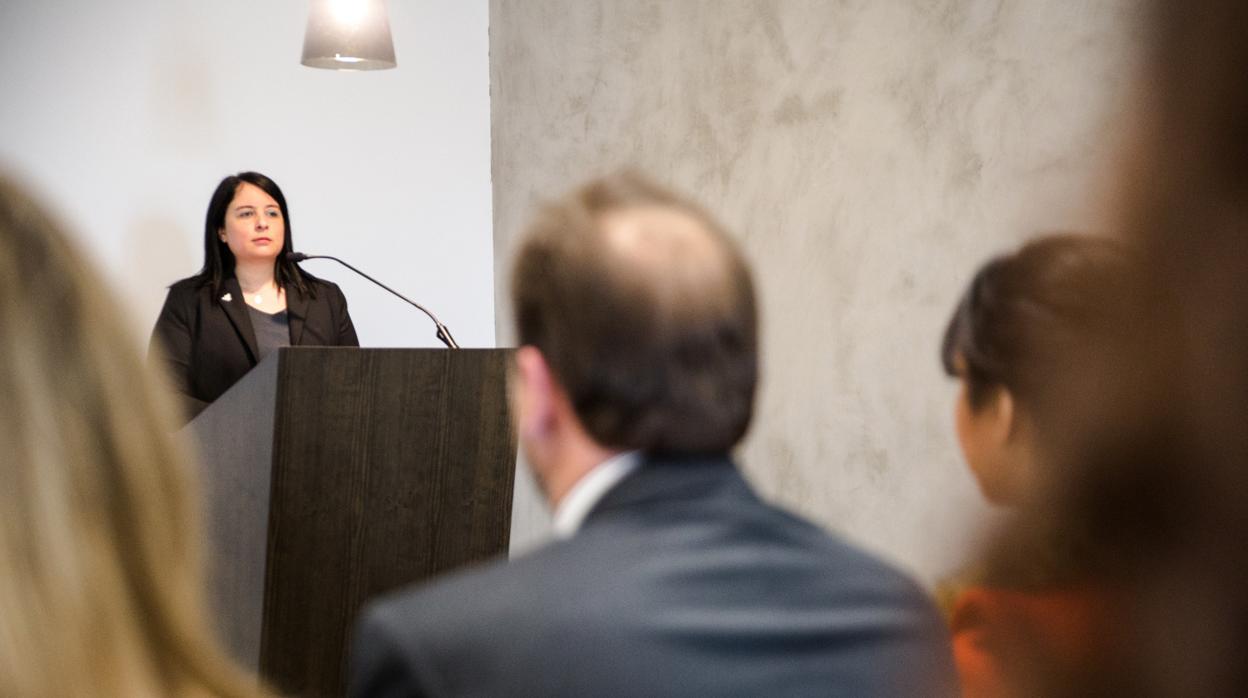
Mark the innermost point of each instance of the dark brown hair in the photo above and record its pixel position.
(1027, 315)
(656, 347)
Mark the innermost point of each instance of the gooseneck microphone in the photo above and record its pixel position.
(442, 334)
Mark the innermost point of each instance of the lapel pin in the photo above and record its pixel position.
(227, 298)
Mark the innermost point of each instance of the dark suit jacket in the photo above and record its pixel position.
(208, 343)
(681, 582)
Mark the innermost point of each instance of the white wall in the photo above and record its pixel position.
(125, 115)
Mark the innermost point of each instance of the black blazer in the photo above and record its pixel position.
(680, 582)
(208, 343)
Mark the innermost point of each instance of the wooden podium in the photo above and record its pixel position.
(335, 474)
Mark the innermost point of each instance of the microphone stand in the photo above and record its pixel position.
(442, 333)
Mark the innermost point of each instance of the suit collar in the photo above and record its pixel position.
(297, 312)
(236, 309)
(665, 478)
(593, 486)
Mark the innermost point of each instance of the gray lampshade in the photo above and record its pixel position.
(348, 35)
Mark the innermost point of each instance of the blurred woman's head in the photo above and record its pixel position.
(99, 539)
(1018, 331)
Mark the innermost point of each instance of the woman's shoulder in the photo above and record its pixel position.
(320, 288)
(318, 282)
(188, 288)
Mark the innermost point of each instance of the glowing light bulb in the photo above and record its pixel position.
(349, 12)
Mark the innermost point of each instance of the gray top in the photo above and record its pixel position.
(272, 331)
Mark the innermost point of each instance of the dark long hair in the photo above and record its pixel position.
(219, 260)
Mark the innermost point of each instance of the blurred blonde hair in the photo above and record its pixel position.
(100, 569)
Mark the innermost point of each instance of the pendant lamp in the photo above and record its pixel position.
(348, 35)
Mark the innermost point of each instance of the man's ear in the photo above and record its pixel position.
(535, 394)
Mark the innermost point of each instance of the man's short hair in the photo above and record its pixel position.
(644, 309)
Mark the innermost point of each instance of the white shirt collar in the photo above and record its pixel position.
(591, 488)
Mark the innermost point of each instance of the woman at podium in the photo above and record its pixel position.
(248, 299)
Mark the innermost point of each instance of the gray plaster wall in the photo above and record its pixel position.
(868, 155)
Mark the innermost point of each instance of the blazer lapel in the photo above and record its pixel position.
(236, 309)
(296, 313)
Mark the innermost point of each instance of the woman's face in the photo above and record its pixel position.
(254, 228)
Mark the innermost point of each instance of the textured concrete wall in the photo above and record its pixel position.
(869, 155)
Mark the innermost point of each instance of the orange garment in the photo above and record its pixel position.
(1056, 626)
